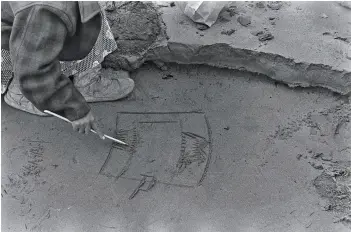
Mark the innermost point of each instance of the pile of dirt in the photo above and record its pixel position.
(136, 27)
(334, 184)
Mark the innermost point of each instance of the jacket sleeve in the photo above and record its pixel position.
(37, 38)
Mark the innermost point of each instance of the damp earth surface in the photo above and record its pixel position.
(210, 149)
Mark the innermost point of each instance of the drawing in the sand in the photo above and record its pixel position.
(173, 147)
(196, 153)
(141, 184)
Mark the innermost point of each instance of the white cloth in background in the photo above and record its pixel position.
(205, 12)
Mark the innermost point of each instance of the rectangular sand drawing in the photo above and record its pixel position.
(174, 147)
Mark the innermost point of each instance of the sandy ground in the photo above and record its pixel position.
(274, 159)
(299, 43)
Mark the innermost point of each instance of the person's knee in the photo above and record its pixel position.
(79, 46)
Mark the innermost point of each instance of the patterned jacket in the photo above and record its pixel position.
(38, 36)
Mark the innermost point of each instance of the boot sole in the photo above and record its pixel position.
(102, 99)
(8, 102)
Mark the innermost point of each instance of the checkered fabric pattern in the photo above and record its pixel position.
(6, 70)
(105, 44)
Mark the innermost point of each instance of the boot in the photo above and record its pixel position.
(15, 98)
(97, 84)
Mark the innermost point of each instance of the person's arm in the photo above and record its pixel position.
(37, 38)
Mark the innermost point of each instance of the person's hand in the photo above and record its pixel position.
(86, 123)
